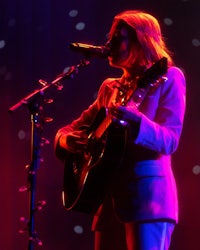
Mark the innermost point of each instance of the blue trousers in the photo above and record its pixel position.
(148, 236)
(154, 235)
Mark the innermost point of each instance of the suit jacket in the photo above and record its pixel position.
(145, 189)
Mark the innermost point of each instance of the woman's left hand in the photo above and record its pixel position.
(127, 113)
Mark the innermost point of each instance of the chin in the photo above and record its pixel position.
(112, 61)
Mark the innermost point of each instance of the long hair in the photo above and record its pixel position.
(148, 34)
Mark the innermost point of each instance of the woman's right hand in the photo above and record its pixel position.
(76, 141)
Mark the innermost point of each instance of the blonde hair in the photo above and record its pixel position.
(148, 34)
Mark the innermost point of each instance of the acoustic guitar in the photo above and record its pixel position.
(87, 175)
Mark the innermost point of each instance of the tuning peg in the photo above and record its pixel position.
(164, 78)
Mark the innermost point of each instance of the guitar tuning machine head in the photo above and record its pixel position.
(164, 78)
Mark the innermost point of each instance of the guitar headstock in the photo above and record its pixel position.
(154, 74)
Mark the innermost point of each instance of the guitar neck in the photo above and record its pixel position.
(108, 119)
(98, 133)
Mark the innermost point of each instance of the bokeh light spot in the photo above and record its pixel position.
(12, 22)
(21, 134)
(73, 13)
(2, 44)
(168, 21)
(196, 42)
(196, 169)
(78, 229)
(80, 26)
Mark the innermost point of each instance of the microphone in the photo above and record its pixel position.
(90, 50)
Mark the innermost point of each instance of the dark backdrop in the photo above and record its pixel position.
(34, 38)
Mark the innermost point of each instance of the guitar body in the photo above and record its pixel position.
(87, 176)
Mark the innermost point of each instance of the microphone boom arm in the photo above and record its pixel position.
(56, 82)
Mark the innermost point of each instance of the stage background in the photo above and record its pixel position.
(34, 39)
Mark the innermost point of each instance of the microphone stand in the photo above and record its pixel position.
(35, 102)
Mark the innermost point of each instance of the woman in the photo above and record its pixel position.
(141, 208)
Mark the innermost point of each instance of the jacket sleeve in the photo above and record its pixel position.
(85, 119)
(163, 132)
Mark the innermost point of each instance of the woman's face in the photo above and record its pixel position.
(122, 43)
